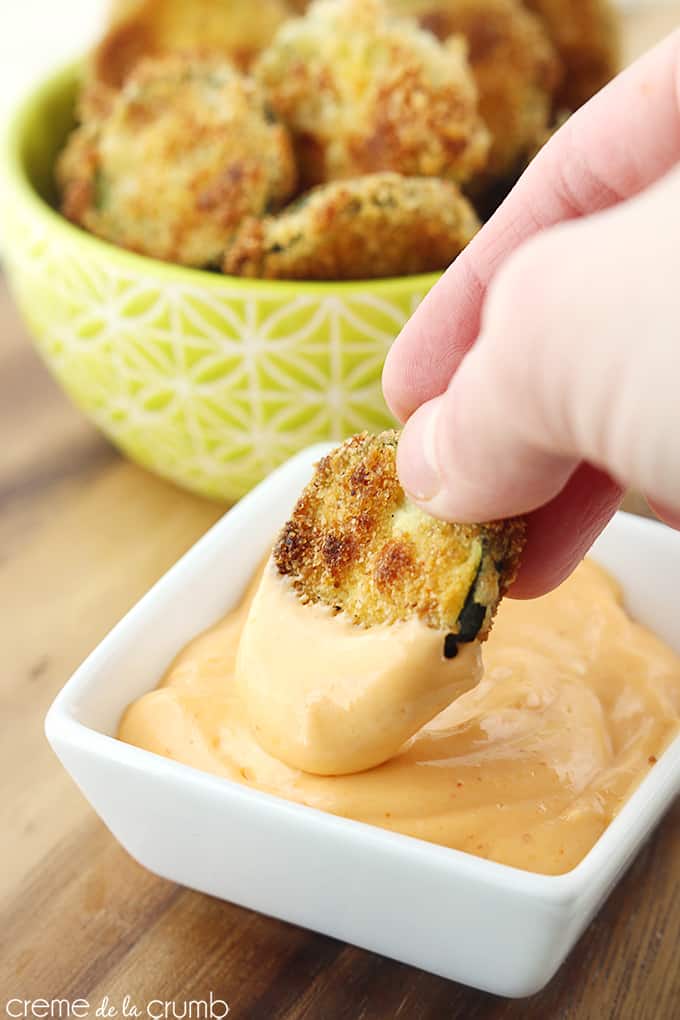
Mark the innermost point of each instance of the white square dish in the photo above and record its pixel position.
(484, 924)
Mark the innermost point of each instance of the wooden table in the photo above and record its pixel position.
(83, 534)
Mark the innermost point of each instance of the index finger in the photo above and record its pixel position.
(620, 142)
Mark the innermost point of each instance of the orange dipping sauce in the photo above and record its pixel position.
(526, 767)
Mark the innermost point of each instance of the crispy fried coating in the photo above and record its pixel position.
(515, 66)
(187, 151)
(363, 92)
(373, 226)
(355, 543)
(587, 37)
(150, 28)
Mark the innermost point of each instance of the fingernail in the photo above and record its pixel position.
(416, 456)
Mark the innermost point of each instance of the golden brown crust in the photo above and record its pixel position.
(149, 28)
(194, 132)
(364, 92)
(587, 37)
(355, 543)
(139, 29)
(515, 65)
(373, 226)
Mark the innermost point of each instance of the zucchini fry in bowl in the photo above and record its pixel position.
(188, 149)
(363, 91)
(374, 226)
(586, 34)
(515, 66)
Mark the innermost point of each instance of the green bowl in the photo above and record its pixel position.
(209, 380)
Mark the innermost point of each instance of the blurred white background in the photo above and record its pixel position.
(36, 35)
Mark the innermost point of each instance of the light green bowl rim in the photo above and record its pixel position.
(25, 193)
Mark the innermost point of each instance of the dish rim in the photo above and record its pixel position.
(596, 872)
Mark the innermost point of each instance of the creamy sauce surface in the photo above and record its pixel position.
(526, 768)
(331, 698)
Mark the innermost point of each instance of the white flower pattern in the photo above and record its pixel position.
(210, 384)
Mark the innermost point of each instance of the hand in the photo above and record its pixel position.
(542, 373)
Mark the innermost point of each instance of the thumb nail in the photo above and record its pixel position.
(416, 456)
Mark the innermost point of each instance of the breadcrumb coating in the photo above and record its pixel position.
(515, 65)
(586, 34)
(187, 151)
(363, 91)
(355, 543)
(373, 226)
(151, 28)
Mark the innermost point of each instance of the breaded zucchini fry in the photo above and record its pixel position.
(587, 37)
(515, 66)
(149, 28)
(354, 542)
(363, 91)
(187, 151)
(374, 226)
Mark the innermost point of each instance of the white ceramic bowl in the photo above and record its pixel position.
(484, 924)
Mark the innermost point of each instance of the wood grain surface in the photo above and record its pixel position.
(83, 534)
